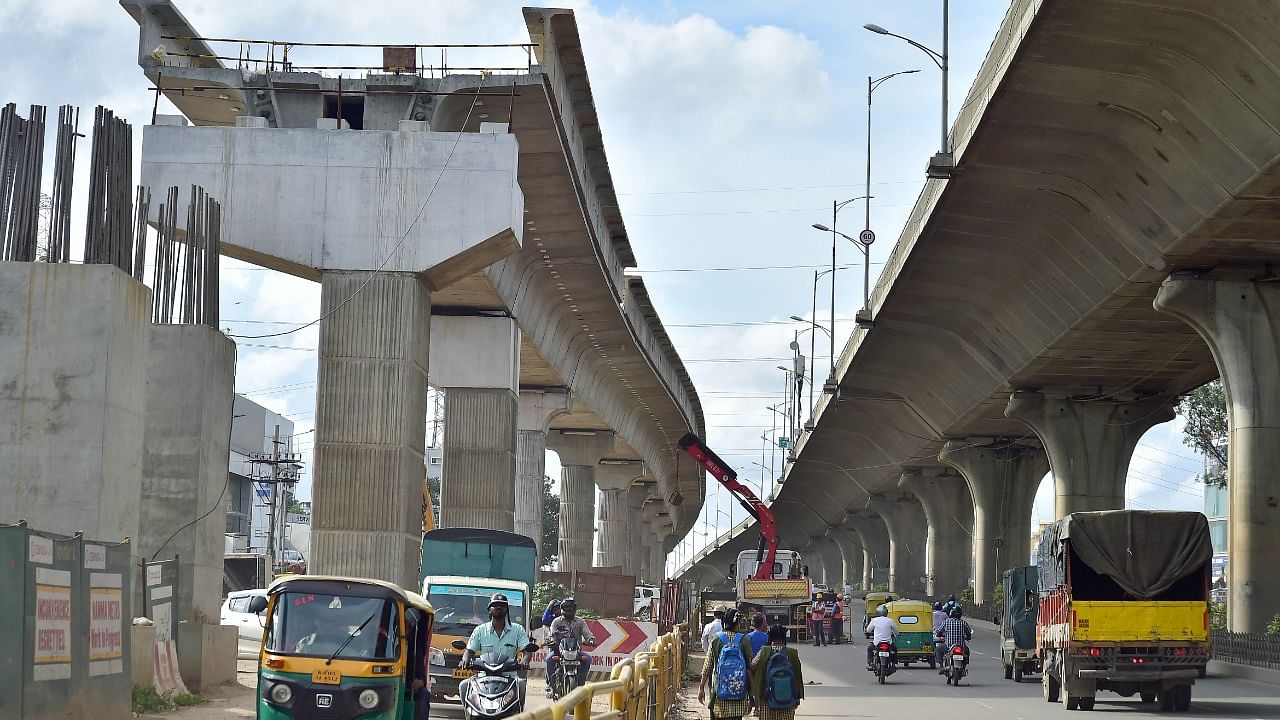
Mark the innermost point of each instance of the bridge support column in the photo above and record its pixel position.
(634, 562)
(875, 545)
(614, 479)
(371, 409)
(1089, 444)
(1240, 321)
(537, 408)
(476, 359)
(579, 453)
(948, 508)
(658, 557)
(851, 551)
(1003, 479)
(908, 536)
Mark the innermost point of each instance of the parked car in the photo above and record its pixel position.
(250, 626)
(645, 594)
(290, 561)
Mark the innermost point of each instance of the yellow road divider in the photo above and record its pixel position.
(644, 687)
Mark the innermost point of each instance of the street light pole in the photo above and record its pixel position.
(943, 164)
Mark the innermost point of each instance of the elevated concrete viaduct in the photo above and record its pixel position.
(1105, 148)
(514, 300)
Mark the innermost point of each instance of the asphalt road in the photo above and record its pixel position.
(843, 688)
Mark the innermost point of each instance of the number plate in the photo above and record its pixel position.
(461, 673)
(884, 654)
(326, 676)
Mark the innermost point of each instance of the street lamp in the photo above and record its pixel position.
(813, 361)
(863, 317)
(944, 163)
(831, 386)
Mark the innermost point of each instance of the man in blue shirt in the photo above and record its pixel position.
(759, 636)
(498, 635)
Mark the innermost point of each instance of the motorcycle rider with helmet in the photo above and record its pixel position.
(499, 635)
(882, 629)
(568, 625)
(955, 631)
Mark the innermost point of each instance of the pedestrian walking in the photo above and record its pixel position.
(777, 680)
(725, 670)
(759, 635)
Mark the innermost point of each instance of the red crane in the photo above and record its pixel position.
(768, 549)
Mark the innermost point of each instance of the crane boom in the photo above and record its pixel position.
(768, 548)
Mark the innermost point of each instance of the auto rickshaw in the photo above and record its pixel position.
(915, 631)
(339, 647)
(874, 599)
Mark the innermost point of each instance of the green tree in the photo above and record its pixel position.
(966, 595)
(1273, 625)
(997, 597)
(1205, 412)
(550, 523)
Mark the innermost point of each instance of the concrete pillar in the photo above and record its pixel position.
(875, 544)
(579, 453)
(851, 552)
(614, 479)
(1089, 444)
(832, 562)
(908, 537)
(476, 360)
(635, 561)
(1003, 478)
(371, 405)
(190, 381)
(948, 508)
(537, 408)
(74, 343)
(658, 559)
(1239, 321)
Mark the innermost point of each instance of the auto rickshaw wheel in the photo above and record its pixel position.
(1147, 697)
(1008, 672)
(933, 663)
(1017, 673)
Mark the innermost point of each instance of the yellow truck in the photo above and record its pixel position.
(787, 588)
(1124, 606)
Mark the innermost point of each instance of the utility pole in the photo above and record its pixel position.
(284, 470)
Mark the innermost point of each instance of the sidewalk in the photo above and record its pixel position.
(222, 702)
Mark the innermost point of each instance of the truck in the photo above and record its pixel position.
(1123, 606)
(779, 595)
(1018, 623)
(767, 579)
(462, 568)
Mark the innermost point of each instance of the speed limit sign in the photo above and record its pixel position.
(866, 237)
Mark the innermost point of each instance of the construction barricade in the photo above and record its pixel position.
(64, 626)
(643, 687)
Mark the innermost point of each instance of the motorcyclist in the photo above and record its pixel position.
(498, 635)
(569, 625)
(955, 631)
(882, 629)
(950, 603)
(551, 613)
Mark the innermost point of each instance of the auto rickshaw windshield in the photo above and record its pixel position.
(341, 626)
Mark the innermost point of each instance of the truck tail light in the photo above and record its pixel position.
(1095, 652)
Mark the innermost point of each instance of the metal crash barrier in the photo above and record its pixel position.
(644, 687)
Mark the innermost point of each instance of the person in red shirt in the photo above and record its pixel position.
(837, 620)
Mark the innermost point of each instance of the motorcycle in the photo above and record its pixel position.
(885, 662)
(490, 693)
(565, 678)
(955, 664)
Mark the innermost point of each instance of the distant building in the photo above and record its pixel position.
(252, 430)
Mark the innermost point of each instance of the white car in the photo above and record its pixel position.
(249, 626)
(645, 595)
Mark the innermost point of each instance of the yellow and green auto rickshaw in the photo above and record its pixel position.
(339, 647)
(915, 631)
(874, 599)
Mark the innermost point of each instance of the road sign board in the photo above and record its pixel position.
(783, 441)
(866, 237)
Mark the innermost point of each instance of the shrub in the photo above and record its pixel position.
(1273, 626)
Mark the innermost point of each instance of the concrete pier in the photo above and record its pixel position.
(1240, 322)
(851, 551)
(636, 551)
(948, 508)
(908, 540)
(1003, 478)
(537, 408)
(1089, 444)
(74, 342)
(190, 381)
(371, 406)
(579, 453)
(871, 531)
(614, 480)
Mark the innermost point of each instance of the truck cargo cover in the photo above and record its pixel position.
(1144, 551)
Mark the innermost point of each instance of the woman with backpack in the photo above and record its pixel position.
(777, 682)
(725, 669)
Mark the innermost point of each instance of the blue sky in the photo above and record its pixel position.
(730, 127)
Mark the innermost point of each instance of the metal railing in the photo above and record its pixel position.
(1246, 649)
(644, 687)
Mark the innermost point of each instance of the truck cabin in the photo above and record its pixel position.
(786, 565)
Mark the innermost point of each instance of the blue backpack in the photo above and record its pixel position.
(780, 682)
(731, 670)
